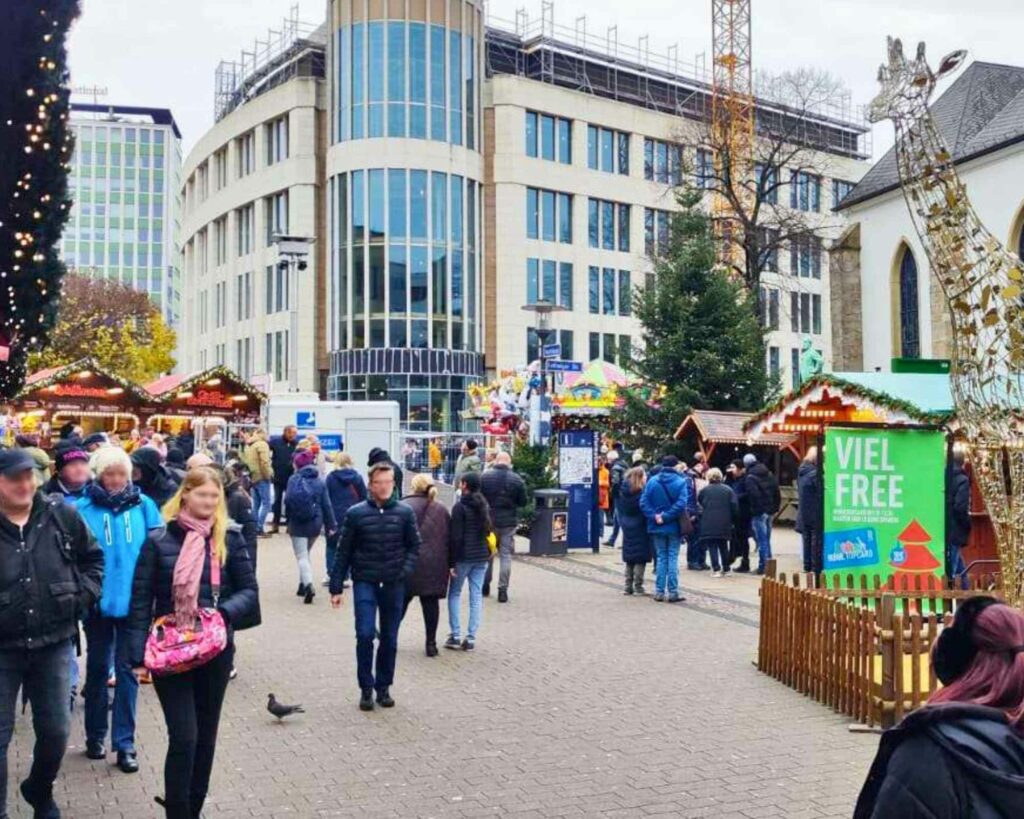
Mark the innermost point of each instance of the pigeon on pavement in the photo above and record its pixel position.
(280, 710)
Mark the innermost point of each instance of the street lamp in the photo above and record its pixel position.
(292, 256)
(540, 411)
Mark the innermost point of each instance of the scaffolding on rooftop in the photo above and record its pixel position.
(297, 49)
(576, 58)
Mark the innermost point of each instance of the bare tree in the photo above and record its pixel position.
(793, 136)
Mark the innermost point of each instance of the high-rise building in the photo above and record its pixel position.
(126, 185)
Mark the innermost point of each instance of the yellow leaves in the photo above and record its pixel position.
(1014, 274)
(1011, 291)
(991, 318)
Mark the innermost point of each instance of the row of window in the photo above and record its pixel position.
(548, 215)
(615, 349)
(608, 224)
(549, 281)
(406, 79)
(277, 298)
(276, 149)
(275, 221)
(549, 137)
(804, 311)
(113, 255)
(775, 364)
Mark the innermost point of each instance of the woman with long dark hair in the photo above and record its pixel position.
(174, 574)
(962, 755)
(469, 554)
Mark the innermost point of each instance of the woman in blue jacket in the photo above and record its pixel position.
(345, 488)
(120, 517)
(666, 497)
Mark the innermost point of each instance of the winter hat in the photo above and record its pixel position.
(670, 462)
(97, 438)
(377, 455)
(175, 457)
(749, 460)
(66, 455)
(303, 459)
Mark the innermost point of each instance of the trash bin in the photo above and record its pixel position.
(550, 530)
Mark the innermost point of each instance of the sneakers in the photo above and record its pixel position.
(676, 598)
(366, 700)
(502, 595)
(715, 573)
(468, 644)
(658, 598)
(628, 590)
(326, 581)
(640, 590)
(384, 699)
(453, 643)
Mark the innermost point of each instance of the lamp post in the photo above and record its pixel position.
(540, 410)
(292, 256)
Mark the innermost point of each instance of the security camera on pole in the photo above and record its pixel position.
(292, 257)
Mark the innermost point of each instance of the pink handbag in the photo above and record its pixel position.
(174, 649)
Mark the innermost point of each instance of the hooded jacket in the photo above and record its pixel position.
(345, 488)
(762, 490)
(155, 480)
(945, 762)
(470, 462)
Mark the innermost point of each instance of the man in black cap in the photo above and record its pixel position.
(51, 573)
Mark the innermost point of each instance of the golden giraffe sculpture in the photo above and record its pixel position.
(983, 284)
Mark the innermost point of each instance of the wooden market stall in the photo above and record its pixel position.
(876, 398)
(81, 393)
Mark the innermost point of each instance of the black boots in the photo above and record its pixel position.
(41, 800)
(366, 700)
(431, 648)
(309, 594)
(502, 595)
(174, 809)
(128, 762)
(384, 699)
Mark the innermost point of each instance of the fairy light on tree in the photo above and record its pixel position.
(35, 146)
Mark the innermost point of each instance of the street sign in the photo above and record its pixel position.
(305, 420)
(558, 366)
(552, 351)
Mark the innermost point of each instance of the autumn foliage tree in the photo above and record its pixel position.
(118, 326)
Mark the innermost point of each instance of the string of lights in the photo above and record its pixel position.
(36, 145)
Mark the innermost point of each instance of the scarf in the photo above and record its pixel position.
(125, 499)
(188, 571)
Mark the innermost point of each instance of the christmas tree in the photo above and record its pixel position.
(35, 154)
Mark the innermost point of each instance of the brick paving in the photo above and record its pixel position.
(578, 702)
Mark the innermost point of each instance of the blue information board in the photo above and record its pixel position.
(331, 442)
(305, 420)
(577, 474)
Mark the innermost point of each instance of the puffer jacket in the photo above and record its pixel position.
(51, 574)
(378, 542)
(155, 480)
(430, 579)
(240, 511)
(468, 533)
(636, 543)
(763, 490)
(505, 492)
(945, 762)
(719, 511)
(152, 597)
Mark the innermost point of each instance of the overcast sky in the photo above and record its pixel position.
(163, 53)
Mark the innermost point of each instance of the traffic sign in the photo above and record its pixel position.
(557, 366)
(552, 351)
(305, 420)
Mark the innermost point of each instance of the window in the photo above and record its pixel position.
(245, 218)
(276, 293)
(565, 342)
(220, 240)
(767, 183)
(662, 162)
(768, 242)
(220, 307)
(910, 333)
(594, 291)
(276, 216)
(595, 346)
(815, 314)
(396, 78)
(549, 280)
(276, 354)
(607, 150)
(608, 291)
(656, 230)
(805, 256)
(548, 215)
(549, 137)
(625, 351)
(609, 224)
(276, 135)
(840, 188)
(625, 293)
(770, 308)
(220, 168)
(565, 285)
(794, 367)
(243, 357)
(609, 353)
(774, 364)
(805, 191)
(704, 169)
(794, 312)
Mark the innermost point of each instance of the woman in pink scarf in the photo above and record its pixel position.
(173, 574)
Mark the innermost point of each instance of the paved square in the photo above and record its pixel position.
(577, 702)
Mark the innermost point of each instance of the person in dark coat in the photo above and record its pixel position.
(719, 511)
(175, 462)
(72, 476)
(44, 545)
(345, 488)
(151, 476)
(469, 555)
(381, 456)
(958, 516)
(506, 494)
(430, 580)
(616, 473)
(739, 548)
(282, 450)
(962, 754)
(637, 550)
(379, 543)
(763, 494)
(240, 510)
(809, 511)
(183, 556)
(309, 515)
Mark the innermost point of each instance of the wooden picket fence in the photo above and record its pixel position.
(859, 648)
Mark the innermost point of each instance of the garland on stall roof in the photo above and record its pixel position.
(218, 371)
(61, 374)
(35, 147)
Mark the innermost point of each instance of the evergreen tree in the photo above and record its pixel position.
(702, 341)
(35, 151)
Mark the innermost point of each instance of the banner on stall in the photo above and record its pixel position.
(885, 505)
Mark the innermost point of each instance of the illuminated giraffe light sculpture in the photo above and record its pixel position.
(982, 283)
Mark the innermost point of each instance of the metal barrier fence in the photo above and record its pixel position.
(438, 453)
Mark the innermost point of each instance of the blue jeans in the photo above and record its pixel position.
(368, 599)
(762, 528)
(474, 573)
(262, 502)
(107, 640)
(696, 552)
(957, 567)
(44, 674)
(666, 550)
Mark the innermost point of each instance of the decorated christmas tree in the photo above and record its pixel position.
(35, 152)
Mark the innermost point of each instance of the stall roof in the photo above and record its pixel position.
(726, 428)
(42, 379)
(166, 387)
(918, 398)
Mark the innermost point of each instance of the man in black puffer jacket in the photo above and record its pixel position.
(379, 542)
(506, 494)
(51, 574)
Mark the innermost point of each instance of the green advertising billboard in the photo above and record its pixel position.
(885, 504)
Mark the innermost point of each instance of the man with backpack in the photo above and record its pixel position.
(505, 492)
(309, 515)
(765, 500)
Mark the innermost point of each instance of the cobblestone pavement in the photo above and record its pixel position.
(577, 702)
